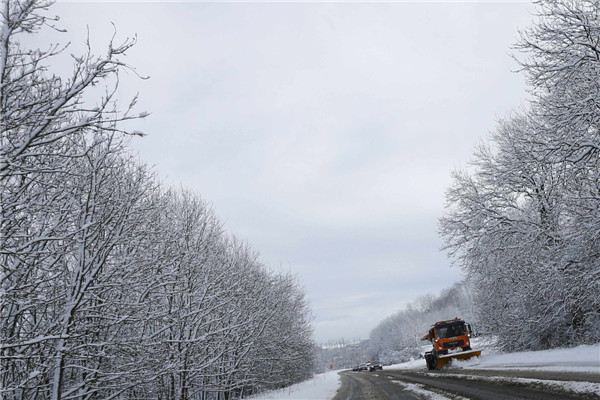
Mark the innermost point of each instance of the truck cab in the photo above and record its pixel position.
(451, 340)
(449, 335)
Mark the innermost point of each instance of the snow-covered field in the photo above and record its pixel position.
(321, 387)
(577, 359)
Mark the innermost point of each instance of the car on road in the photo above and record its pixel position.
(363, 366)
(374, 365)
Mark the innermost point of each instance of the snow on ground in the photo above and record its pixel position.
(320, 387)
(422, 392)
(413, 364)
(576, 359)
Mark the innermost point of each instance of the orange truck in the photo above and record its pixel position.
(451, 340)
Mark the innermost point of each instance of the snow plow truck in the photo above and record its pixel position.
(450, 340)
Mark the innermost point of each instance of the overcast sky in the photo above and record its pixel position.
(322, 133)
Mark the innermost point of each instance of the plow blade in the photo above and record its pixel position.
(463, 355)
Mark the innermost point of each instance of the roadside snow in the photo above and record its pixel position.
(413, 364)
(576, 359)
(320, 387)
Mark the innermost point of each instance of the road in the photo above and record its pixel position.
(467, 384)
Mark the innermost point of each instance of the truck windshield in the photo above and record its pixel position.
(450, 330)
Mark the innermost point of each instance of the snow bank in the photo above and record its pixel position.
(576, 359)
(413, 364)
(320, 387)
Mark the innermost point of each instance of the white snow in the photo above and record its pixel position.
(413, 364)
(576, 359)
(422, 392)
(320, 387)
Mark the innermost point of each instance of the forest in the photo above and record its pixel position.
(113, 283)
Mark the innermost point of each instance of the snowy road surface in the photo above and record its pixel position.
(561, 373)
(468, 384)
(552, 374)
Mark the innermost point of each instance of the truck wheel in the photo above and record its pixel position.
(431, 361)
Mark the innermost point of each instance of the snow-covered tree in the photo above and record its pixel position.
(50, 152)
(522, 222)
(560, 56)
(111, 285)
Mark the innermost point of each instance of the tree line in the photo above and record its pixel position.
(523, 220)
(341, 354)
(113, 284)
